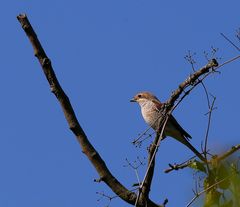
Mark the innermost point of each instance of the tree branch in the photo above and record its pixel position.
(149, 176)
(228, 153)
(190, 81)
(179, 166)
(87, 148)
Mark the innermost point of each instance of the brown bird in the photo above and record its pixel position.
(150, 108)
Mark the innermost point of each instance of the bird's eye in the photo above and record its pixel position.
(139, 95)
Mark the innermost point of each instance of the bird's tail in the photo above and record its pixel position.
(193, 149)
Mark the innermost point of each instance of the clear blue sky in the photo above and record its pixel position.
(104, 52)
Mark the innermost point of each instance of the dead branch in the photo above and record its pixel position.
(87, 147)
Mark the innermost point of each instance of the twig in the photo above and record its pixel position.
(206, 93)
(189, 81)
(207, 131)
(205, 76)
(110, 198)
(135, 141)
(138, 141)
(106, 196)
(191, 61)
(225, 63)
(135, 168)
(134, 165)
(179, 166)
(207, 189)
(231, 42)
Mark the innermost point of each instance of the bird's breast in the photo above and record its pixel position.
(150, 114)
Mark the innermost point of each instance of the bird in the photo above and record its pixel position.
(150, 109)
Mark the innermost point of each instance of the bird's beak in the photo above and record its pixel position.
(133, 100)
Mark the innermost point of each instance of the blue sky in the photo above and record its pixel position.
(103, 53)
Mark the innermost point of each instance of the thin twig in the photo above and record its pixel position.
(135, 141)
(226, 62)
(191, 61)
(206, 93)
(205, 190)
(207, 131)
(205, 76)
(112, 197)
(231, 42)
(135, 168)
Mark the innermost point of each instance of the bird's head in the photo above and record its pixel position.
(143, 97)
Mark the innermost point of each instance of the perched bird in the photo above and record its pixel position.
(150, 108)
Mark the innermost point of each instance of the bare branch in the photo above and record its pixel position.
(179, 166)
(87, 148)
(190, 80)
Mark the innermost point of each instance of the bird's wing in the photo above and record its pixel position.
(158, 104)
(173, 121)
(177, 125)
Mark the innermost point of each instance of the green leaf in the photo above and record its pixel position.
(196, 165)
